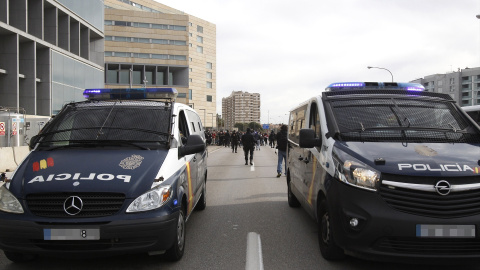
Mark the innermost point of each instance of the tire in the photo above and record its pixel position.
(202, 203)
(175, 253)
(329, 249)
(292, 200)
(19, 257)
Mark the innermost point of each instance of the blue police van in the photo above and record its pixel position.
(389, 172)
(118, 173)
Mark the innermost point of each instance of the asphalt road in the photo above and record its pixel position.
(242, 201)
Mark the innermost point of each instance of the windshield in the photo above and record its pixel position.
(141, 124)
(396, 119)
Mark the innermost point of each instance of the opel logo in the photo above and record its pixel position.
(73, 205)
(443, 187)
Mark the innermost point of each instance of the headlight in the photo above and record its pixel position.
(356, 173)
(8, 202)
(152, 199)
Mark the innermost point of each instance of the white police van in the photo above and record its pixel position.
(389, 172)
(119, 173)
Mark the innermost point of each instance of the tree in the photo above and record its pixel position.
(255, 126)
(240, 126)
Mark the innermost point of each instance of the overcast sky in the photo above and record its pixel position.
(289, 51)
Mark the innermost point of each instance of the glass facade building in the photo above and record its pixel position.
(50, 51)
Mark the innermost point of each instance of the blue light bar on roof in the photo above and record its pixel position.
(343, 86)
(130, 93)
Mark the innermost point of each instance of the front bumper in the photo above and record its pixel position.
(386, 234)
(116, 237)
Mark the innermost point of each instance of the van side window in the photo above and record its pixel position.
(297, 123)
(183, 127)
(315, 120)
(193, 127)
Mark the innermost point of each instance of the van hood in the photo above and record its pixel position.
(130, 172)
(432, 159)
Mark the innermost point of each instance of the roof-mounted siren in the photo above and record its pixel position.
(343, 86)
(130, 93)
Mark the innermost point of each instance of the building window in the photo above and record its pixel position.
(191, 80)
(191, 24)
(200, 39)
(199, 29)
(209, 75)
(191, 59)
(190, 94)
(209, 98)
(191, 69)
(200, 49)
(209, 85)
(182, 95)
(209, 65)
(190, 34)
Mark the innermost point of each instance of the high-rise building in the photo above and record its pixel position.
(463, 85)
(148, 44)
(240, 107)
(50, 51)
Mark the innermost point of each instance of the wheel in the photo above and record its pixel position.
(19, 257)
(328, 247)
(202, 203)
(175, 253)
(292, 200)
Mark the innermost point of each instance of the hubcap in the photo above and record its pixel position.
(325, 229)
(181, 231)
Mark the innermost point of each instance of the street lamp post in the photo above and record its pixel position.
(383, 69)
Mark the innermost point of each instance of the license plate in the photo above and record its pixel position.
(71, 234)
(445, 231)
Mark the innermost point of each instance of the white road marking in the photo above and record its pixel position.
(252, 167)
(254, 252)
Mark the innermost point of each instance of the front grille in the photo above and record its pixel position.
(94, 204)
(421, 246)
(432, 204)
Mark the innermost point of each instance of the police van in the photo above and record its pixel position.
(473, 112)
(389, 172)
(118, 173)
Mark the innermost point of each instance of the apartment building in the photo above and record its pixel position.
(50, 51)
(463, 85)
(148, 44)
(240, 107)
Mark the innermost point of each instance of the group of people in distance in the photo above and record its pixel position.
(251, 141)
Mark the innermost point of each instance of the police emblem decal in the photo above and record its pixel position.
(131, 163)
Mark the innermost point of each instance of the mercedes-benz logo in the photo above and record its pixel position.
(443, 187)
(73, 205)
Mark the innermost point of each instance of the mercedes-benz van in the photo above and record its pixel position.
(119, 173)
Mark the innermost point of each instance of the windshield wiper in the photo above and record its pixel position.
(92, 143)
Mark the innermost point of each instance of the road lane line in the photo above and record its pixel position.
(254, 252)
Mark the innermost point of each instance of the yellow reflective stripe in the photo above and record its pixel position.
(190, 191)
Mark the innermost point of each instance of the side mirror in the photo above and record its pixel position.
(195, 144)
(307, 138)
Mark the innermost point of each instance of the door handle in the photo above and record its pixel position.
(194, 159)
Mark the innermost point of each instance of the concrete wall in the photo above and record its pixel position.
(11, 157)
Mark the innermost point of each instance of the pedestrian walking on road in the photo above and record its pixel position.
(248, 144)
(234, 141)
(282, 144)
